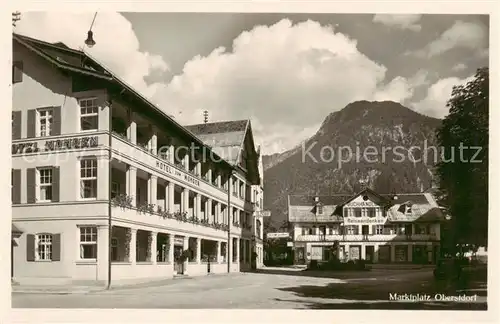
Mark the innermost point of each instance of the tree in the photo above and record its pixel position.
(463, 169)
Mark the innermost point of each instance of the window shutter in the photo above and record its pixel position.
(17, 72)
(56, 247)
(31, 185)
(30, 247)
(56, 184)
(374, 229)
(56, 130)
(342, 230)
(16, 186)
(31, 127)
(16, 124)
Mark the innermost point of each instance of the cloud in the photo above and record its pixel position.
(438, 94)
(116, 43)
(459, 67)
(400, 89)
(286, 78)
(399, 21)
(461, 35)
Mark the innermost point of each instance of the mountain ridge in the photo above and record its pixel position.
(360, 124)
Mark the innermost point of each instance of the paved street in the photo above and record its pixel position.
(278, 288)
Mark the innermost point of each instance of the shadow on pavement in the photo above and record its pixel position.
(365, 292)
(339, 274)
(389, 305)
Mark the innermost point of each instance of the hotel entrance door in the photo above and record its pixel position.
(178, 263)
(369, 252)
(300, 255)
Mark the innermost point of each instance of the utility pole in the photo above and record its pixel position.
(16, 16)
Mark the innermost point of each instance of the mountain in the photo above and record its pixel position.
(385, 134)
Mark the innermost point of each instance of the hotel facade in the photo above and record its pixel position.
(378, 228)
(106, 186)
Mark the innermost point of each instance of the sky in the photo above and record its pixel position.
(285, 72)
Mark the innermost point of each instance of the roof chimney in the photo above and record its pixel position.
(205, 116)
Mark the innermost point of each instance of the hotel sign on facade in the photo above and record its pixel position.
(166, 168)
(361, 204)
(277, 235)
(364, 220)
(356, 204)
(55, 145)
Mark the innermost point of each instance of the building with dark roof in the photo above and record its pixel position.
(107, 186)
(380, 228)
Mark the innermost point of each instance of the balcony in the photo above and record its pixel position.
(127, 152)
(319, 238)
(366, 238)
(121, 209)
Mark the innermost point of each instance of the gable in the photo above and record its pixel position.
(365, 199)
(248, 159)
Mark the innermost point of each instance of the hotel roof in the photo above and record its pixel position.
(225, 138)
(78, 61)
(301, 208)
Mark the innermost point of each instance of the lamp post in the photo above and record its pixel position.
(90, 42)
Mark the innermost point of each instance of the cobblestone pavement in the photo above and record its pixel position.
(277, 289)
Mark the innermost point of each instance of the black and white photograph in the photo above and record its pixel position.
(286, 160)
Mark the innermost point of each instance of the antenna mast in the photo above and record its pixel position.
(205, 116)
(16, 16)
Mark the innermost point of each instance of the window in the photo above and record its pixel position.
(17, 72)
(88, 114)
(305, 230)
(384, 212)
(258, 226)
(312, 230)
(114, 249)
(372, 212)
(389, 230)
(357, 212)
(422, 229)
(88, 178)
(45, 184)
(346, 212)
(352, 229)
(45, 122)
(44, 247)
(235, 189)
(115, 189)
(88, 242)
(379, 229)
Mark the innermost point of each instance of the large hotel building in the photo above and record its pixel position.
(379, 228)
(106, 186)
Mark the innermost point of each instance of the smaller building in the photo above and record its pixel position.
(379, 228)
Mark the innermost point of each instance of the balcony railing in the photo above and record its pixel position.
(163, 157)
(367, 237)
(125, 202)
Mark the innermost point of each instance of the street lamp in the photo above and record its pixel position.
(90, 39)
(90, 42)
